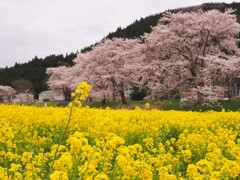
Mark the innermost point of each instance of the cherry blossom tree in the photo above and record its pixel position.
(6, 91)
(84, 70)
(196, 50)
(24, 97)
(184, 46)
(111, 67)
(59, 80)
(221, 71)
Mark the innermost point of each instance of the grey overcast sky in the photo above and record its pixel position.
(44, 27)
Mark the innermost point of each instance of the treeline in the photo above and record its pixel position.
(139, 27)
(34, 70)
(144, 25)
(136, 29)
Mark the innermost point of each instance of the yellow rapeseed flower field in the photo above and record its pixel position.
(118, 144)
(83, 143)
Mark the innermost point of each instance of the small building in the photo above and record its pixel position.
(188, 96)
(50, 96)
(234, 87)
(203, 95)
(128, 93)
(6, 99)
(46, 96)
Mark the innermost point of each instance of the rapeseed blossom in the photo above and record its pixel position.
(118, 144)
(81, 93)
(147, 105)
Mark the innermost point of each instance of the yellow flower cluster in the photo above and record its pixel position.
(147, 105)
(118, 144)
(81, 93)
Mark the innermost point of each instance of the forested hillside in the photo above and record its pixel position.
(139, 27)
(33, 73)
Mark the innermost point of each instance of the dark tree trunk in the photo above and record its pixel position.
(193, 69)
(230, 90)
(200, 98)
(67, 94)
(103, 102)
(123, 98)
(114, 88)
(113, 94)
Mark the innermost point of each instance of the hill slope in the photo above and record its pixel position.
(139, 27)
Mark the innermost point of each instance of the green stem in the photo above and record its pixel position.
(87, 166)
(33, 172)
(61, 139)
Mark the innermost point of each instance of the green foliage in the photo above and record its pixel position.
(139, 27)
(138, 94)
(136, 29)
(173, 132)
(34, 70)
(233, 105)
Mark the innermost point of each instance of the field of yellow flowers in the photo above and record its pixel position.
(118, 144)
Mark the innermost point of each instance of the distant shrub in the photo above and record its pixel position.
(138, 94)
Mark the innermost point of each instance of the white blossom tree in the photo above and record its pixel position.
(196, 50)
(59, 80)
(180, 48)
(6, 91)
(24, 97)
(111, 67)
(220, 71)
